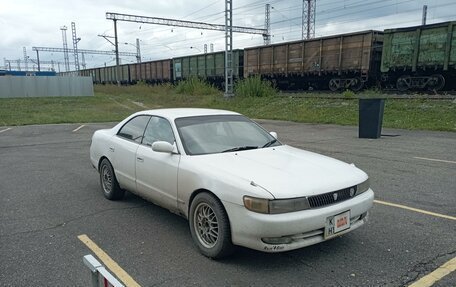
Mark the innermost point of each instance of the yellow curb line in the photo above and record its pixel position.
(107, 260)
(436, 275)
(416, 209)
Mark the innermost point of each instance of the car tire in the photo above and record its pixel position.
(210, 226)
(109, 185)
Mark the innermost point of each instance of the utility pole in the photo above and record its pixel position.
(229, 49)
(423, 19)
(25, 58)
(83, 61)
(75, 46)
(116, 45)
(38, 60)
(267, 24)
(138, 51)
(308, 19)
(65, 48)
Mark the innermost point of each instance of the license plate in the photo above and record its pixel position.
(337, 223)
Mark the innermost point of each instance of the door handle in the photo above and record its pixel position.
(140, 159)
(111, 149)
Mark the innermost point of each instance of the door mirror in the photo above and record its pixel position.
(274, 134)
(162, 146)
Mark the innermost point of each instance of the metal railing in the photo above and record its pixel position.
(100, 276)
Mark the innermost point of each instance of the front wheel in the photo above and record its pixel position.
(210, 227)
(108, 181)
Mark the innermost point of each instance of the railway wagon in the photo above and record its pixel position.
(152, 72)
(210, 66)
(420, 57)
(88, 73)
(346, 61)
(107, 75)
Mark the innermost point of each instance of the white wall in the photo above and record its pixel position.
(55, 86)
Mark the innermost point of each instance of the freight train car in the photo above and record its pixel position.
(421, 57)
(346, 61)
(152, 72)
(210, 66)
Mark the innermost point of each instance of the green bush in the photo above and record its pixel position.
(254, 87)
(195, 86)
(349, 94)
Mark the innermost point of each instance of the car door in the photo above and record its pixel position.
(123, 150)
(156, 172)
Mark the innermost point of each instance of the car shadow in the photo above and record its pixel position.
(182, 243)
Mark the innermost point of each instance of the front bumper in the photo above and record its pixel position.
(302, 228)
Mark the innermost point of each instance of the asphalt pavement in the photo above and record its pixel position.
(50, 194)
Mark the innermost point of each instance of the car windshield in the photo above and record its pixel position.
(221, 133)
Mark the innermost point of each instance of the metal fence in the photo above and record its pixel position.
(32, 86)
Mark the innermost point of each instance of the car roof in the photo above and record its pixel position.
(185, 112)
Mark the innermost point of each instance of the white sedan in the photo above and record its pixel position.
(234, 182)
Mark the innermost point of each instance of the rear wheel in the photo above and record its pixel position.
(108, 181)
(210, 227)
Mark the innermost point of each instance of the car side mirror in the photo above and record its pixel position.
(162, 146)
(274, 134)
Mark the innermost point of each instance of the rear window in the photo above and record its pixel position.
(134, 129)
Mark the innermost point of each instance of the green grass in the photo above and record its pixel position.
(112, 103)
(195, 86)
(254, 87)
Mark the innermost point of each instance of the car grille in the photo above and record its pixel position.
(330, 197)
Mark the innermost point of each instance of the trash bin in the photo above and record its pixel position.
(371, 118)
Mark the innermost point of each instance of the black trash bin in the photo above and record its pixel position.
(371, 118)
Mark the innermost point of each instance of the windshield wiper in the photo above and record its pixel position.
(239, 148)
(269, 143)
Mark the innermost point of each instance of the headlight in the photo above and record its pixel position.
(362, 187)
(260, 205)
(275, 206)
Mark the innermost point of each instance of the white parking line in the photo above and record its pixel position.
(5, 130)
(77, 129)
(433, 159)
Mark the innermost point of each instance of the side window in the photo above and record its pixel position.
(134, 129)
(158, 129)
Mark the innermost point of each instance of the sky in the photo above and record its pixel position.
(32, 23)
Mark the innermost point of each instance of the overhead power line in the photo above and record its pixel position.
(181, 23)
(98, 52)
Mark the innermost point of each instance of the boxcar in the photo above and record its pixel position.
(420, 57)
(346, 61)
(210, 66)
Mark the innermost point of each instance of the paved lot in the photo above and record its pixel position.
(50, 194)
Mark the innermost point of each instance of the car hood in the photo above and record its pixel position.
(284, 171)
